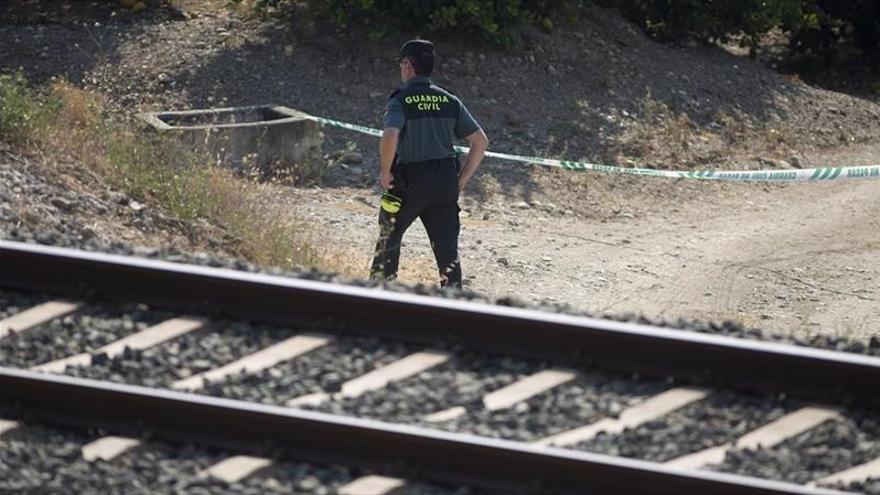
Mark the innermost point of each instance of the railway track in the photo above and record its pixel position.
(550, 396)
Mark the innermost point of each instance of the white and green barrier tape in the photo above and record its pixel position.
(798, 175)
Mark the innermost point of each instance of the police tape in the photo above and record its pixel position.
(799, 175)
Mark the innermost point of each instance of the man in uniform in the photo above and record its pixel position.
(418, 166)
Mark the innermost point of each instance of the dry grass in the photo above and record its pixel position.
(63, 125)
(659, 137)
(658, 134)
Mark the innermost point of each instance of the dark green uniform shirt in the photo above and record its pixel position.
(429, 118)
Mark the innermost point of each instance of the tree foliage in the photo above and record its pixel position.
(857, 18)
(816, 26)
(714, 20)
(496, 21)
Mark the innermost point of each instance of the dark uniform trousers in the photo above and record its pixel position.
(428, 190)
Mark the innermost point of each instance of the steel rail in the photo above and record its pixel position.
(633, 348)
(319, 437)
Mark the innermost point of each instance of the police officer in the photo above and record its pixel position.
(418, 166)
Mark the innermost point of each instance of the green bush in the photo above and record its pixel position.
(674, 20)
(816, 25)
(22, 109)
(824, 22)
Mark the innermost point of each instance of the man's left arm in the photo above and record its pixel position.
(387, 150)
(394, 122)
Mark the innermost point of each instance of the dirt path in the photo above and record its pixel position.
(802, 259)
(799, 259)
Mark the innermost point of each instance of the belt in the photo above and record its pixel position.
(435, 161)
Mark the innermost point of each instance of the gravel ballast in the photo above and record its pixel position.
(832, 447)
(469, 376)
(85, 330)
(869, 487)
(41, 459)
(322, 370)
(220, 343)
(464, 379)
(586, 399)
(12, 303)
(719, 418)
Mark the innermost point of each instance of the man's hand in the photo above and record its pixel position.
(462, 182)
(386, 179)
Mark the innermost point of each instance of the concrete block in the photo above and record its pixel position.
(267, 136)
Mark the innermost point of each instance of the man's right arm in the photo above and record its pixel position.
(467, 127)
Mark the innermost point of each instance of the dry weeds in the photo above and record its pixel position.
(68, 128)
(659, 137)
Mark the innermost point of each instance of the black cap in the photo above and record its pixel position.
(421, 52)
